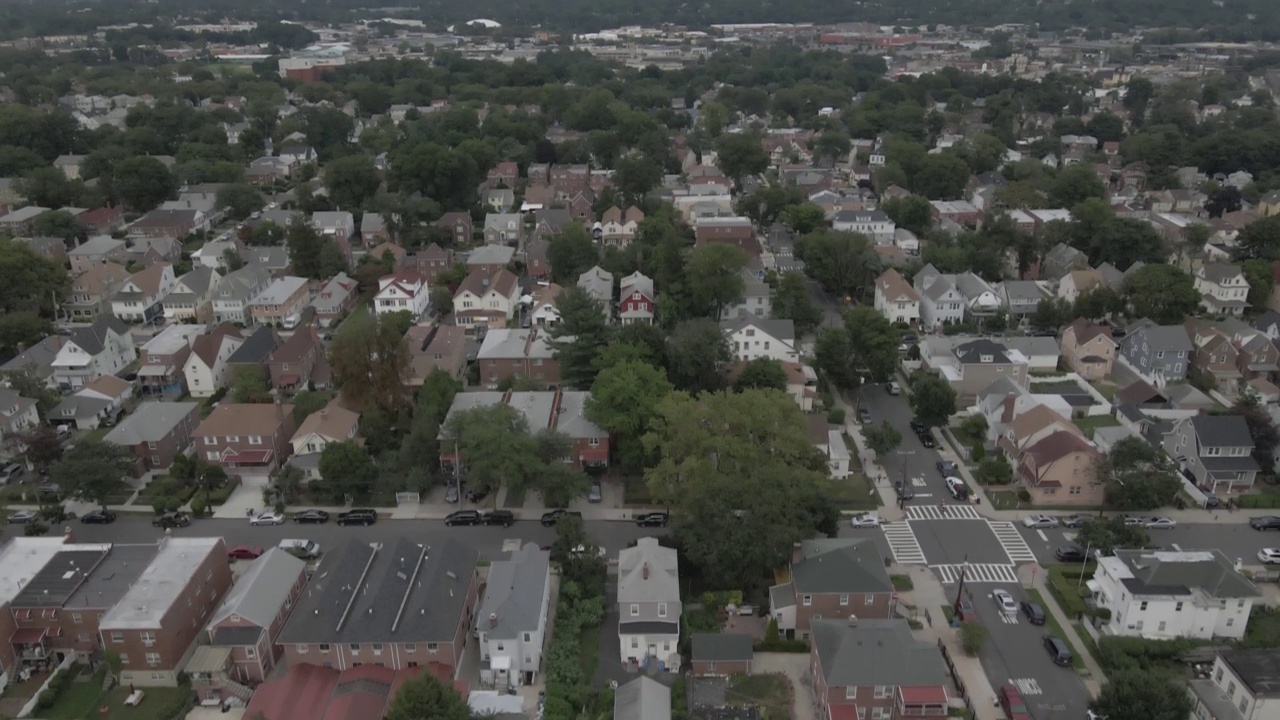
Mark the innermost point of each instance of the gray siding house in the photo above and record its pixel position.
(1158, 353)
(649, 605)
(1214, 451)
(512, 620)
(757, 299)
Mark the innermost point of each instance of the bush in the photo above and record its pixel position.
(35, 529)
(771, 632)
(782, 646)
(199, 504)
(160, 504)
(1120, 653)
(973, 636)
(1024, 496)
(46, 699)
(836, 416)
(219, 496)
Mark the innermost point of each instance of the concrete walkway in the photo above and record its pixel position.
(794, 667)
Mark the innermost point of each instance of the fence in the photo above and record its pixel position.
(955, 679)
(408, 498)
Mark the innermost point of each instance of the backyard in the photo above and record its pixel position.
(82, 697)
(771, 692)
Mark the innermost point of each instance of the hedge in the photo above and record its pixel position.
(219, 496)
(1063, 582)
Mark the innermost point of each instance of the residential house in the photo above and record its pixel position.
(97, 251)
(92, 290)
(830, 442)
(973, 365)
(36, 360)
(598, 283)
(390, 253)
(282, 302)
(373, 229)
(941, 303)
(1223, 288)
(649, 606)
(169, 223)
(1020, 298)
(435, 346)
(331, 424)
(873, 223)
(485, 299)
(251, 616)
(214, 253)
(18, 222)
(70, 165)
(1240, 685)
(164, 360)
(192, 296)
(500, 200)
(559, 410)
(543, 312)
(507, 353)
(1159, 354)
(961, 212)
(511, 624)
(147, 251)
(549, 222)
(1215, 356)
(458, 225)
(1164, 595)
(1059, 470)
(720, 654)
(536, 263)
(896, 299)
(638, 302)
(727, 230)
(243, 437)
(489, 259)
(206, 370)
(335, 299)
(1062, 259)
(1259, 357)
(154, 625)
(156, 433)
(503, 228)
(504, 174)
(642, 699)
(49, 248)
(754, 338)
(418, 614)
(1214, 451)
(433, 261)
(618, 228)
(405, 291)
(1089, 349)
(757, 299)
(17, 414)
(103, 348)
(255, 351)
(340, 226)
(1078, 282)
(900, 677)
(831, 578)
(139, 298)
(298, 362)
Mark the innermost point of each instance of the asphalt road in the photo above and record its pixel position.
(1235, 539)
(911, 460)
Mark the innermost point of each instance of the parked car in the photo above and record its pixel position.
(1058, 650)
(1135, 520)
(1265, 522)
(22, 517)
(98, 517)
(172, 520)
(904, 490)
(1072, 521)
(917, 427)
(865, 520)
(893, 388)
(656, 519)
(476, 495)
(244, 552)
(553, 517)
(1033, 611)
(463, 517)
(926, 439)
(505, 518)
(1070, 553)
(958, 489)
(270, 517)
(451, 494)
(359, 516)
(1160, 523)
(11, 472)
(864, 416)
(302, 549)
(1040, 522)
(1015, 708)
(1004, 601)
(595, 495)
(1269, 556)
(946, 467)
(313, 517)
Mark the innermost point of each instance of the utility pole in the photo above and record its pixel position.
(960, 589)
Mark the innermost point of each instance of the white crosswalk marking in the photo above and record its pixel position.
(946, 512)
(1009, 619)
(1026, 686)
(1011, 540)
(976, 573)
(903, 544)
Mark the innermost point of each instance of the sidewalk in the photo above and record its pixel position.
(1034, 577)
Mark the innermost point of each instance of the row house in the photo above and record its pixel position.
(92, 290)
(96, 251)
(735, 231)
(561, 410)
(156, 432)
(139, 298)
(902, 677)
(507, 353)
(282, 302)
(618, 227)
(873, 223)
(169, 223)
(90, 352)
(830, 578)
(18, 223)
(542, 309)
(246, 437)
(961, 212)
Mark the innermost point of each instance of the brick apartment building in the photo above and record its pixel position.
(517, 354)
(246, 436)
(559, 410)
(831, 578)
(899, 677)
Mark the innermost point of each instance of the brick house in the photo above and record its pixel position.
(436, 346)
(720, 654)
(154, 625)
(458, 225)
(254, 612)
(102, 220)
(517, 354)
(735, 231)
(292, 363)
(433, 261)
(831, 578)
(96, 251)
(900, 678)
(156, 433)
(242, 435)
(490, 259)
(168, 223)
(418, 613)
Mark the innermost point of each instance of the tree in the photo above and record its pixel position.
(1259, 239)
(792, 301)
(994, 471)
(973, 637)
(1108, 534)
(1140, 692)
(31, 283)
(1261, 281)
(762, 374)
(240, 199)
(94, 471)
(1074, 185)
(718, 271)
(249, 384)
(1138, 94)
(1263, 433)
(804, 218)
(933, 400)
(697, 355)
(912, 212)
(570, 253)
(579, 336)
(940, 177)
(347, 470)
(1098, 303)
(1163, 293)
(48, 187)
(44, 447)
(841, 262)
(560, 484)
(623, 400)
(370, 364)
(426, 696)
(741, 477)
(60, 224)
(307, 402)
(494, 446)
(22, 329)
(635, 174)
(883, 438)
(142, 182)
(26, 383)
(874, 341)
(1053, 313)
(1137, 476)
(833, 357)
(351, 181)
(741, 155)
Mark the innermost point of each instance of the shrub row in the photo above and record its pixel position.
(49, 696)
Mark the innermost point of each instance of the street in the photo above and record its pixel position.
(1235, 539)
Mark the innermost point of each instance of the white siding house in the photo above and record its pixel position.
(512, 620)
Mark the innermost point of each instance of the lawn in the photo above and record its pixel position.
(589, 650)
(771, 692)
(855, 493)
(1089, 424)
(635, 492)
(96, 434)
(359, 316)
(77, 701)
(80, 700)
(1002, 499)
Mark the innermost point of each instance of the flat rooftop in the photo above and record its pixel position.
(58, 580)
(145, 603)
(172, 339)
(113, 577)
(23, 558)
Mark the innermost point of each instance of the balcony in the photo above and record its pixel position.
(29, 643)
(924, 701)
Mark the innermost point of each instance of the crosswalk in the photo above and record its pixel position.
(1011, 540)
(1026, 686)
(903, 544)
(1008, 619)
(944, 512)
(976, 573)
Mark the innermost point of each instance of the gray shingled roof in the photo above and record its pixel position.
(1209, 570)
(875, 652)
(513, 596)
(1165, 337)
(781, 329)
(663, 583)
(717, 647)
(256, 348)
(150, 422)
(260, 592)
(642, 699)
(840, 565)
(973, 351)
(1222, 431)
(93, 339)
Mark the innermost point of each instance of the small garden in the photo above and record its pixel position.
(771, 693)
(574, 650)
(77, 693)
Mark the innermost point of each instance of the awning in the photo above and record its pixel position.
(923, 695)
(1093, 585)
(248, 457)
(594, 455)
(287, 380)
(28, 636)
(153, 371)
(209, 659)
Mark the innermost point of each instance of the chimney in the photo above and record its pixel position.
(645, 570)
(493, 620)
(853, 621)
(795, 553)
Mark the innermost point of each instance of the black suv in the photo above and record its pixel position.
(553, 517)
(172, 520)
(1266, 522)
(358, 516)
(946, 468)
(1069, 553)
(904, 490)
(505, 518)
(656, 519)
(463, 517)
(1058, 650)
(1033, 611)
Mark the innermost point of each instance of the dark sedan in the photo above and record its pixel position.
(98, 517)
(311, 517)
(463, 517)
(359, 516)
(1265, 522)
(553, 517)
(1069, 553)
(657, 519)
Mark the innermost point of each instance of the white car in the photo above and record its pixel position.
(1160, 523)
(1005, 601)
(1040, 521)
(958, 489)
(268, 518)
(865, 520)
(893, 388)
(1269, 556)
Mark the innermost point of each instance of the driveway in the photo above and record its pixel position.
(795, 667)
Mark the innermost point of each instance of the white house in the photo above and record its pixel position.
(1161, 595)
(940, 301)
(103, 348)
(331, 424)
(872, 223)
(485, 299)
(17, 414)
(1079, 282)
(404, 291)
(1223, 288)
(511, 622)
(1242, 686)
(649, 605)
(138, 299)
(896, 299)
(753, 338)
(206, 369)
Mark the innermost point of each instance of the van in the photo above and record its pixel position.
(291, 322)
(305, 549)
(1058, 650)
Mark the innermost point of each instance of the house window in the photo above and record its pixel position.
(806, 600)
(432, 647)
(844, 599)
(1231, 621)
(635, 609)
(355, 648)
(883, 691)
(1142, 605)
(881, 713)
(501, 647)
(410, 648)
(117, 637)
(211, 455)
(249, 652)
(1231, 688)
(148, 638)
(1217, 677)
(124, 659)
(528, 637)
(1244, 705)
(593, 442)
(324, 648)
(153, 659)
(255, 439)
(662, 610)
(869, 600)
(233, 438)
(851, 692)
(301, 649)
(1161, 626)
(377, 648)
(75, 618)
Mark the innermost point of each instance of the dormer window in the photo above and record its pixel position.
(988, 358)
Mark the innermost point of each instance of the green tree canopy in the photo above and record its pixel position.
(1138, 476)
(1163, 293)
(347, 470)
(426, 696)
(933, 400)
(95, 471)
(583, 331)
(624, 398)
(697, 355)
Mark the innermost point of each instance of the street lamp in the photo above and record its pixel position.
(1084, 562)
